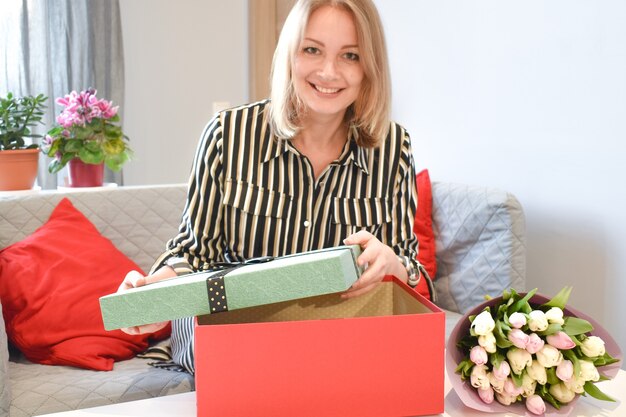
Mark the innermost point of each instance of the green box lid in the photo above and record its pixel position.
(281, 279)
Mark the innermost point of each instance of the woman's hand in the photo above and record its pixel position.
(378, 260)
(135, 279)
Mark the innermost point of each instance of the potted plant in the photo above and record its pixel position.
(18, 160)
(88, 137)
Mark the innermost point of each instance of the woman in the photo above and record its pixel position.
(318, 165)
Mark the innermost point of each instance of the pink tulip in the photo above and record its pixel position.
(486, 395)
(535, 404)
(478, 355)
(561, 340)
(511, 389)
(517, 320)
(535, 343)
(502, 372)
(518, 338)
(565, 370)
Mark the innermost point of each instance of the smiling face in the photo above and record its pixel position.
(327, 72)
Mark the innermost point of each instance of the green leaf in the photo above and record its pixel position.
(54, 166)
(595, 392)
(73, 145)
(547, 397)
(501, 340)
(574, 326)
(560, 300)
(552, 329)
(464, 368)
(115, 162)
(90, 157)
(552, 378)
(517, 379)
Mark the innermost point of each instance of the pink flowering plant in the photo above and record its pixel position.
(88, 129)
(518, 351)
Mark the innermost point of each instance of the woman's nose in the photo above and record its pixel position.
(328, 70)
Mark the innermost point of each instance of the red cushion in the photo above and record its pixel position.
(50, 283)
(423, 228)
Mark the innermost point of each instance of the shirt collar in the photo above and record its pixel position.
(274, 147)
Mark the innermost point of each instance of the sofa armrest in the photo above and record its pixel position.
(5, 388)
(480, 240)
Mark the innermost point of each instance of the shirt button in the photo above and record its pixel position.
(306, 223)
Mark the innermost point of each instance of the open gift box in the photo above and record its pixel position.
(380, 354)
(255, 282)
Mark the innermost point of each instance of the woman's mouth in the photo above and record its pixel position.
(325, 90)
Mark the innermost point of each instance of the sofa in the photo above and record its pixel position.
(480, 249)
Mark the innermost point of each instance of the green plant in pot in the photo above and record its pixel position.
(88, 137)
(18, 160)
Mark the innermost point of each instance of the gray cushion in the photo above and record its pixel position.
(480, 238)
(42, 389)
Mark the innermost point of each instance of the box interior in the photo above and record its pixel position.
(386, 300)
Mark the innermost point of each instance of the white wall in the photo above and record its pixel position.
(527, 96)
(180, 57)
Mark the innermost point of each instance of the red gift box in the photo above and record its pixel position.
(380, 354)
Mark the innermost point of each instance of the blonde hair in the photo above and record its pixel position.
(368, 116)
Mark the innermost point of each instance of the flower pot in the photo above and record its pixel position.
(18, 169)
(82, 174)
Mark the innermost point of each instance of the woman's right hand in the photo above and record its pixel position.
(136, 279)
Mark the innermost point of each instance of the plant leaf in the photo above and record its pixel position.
(574, 326)
(560, 300)
(595, 392)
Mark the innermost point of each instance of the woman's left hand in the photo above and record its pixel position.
(378, 260)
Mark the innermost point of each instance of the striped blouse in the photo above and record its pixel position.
(253, 195)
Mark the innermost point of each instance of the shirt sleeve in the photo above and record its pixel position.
(406, 243)
(199, 233)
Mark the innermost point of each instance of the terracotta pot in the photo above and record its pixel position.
(82, 174)
(18, 169)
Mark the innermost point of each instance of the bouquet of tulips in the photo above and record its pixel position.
(525, 349)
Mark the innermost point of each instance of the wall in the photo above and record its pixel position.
(529, 97)
(180, 58)
(525, 96)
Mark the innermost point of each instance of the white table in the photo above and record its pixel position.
(185, 405)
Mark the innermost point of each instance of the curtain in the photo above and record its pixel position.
(56, 46)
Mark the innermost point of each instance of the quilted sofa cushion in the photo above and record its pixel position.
(138, 220)
(481, 248)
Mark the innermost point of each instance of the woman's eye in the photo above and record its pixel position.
(310, 50)
(351, 56)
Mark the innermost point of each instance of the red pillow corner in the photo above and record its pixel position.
(50, 285)
(423, 228)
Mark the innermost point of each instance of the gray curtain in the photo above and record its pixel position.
(56, 46)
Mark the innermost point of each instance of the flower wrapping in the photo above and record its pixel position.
(469, 395)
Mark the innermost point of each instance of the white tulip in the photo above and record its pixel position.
(483, 324)
(518, 359)
(593, 347)
(576, 384)
(555, 315)
(505, 399)
(537, 372)
(479, 378)
(549, 356)
(588, 371)
(497, 384)
(528, 385)
(488, 342)
(561, 393)
(537, 321)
